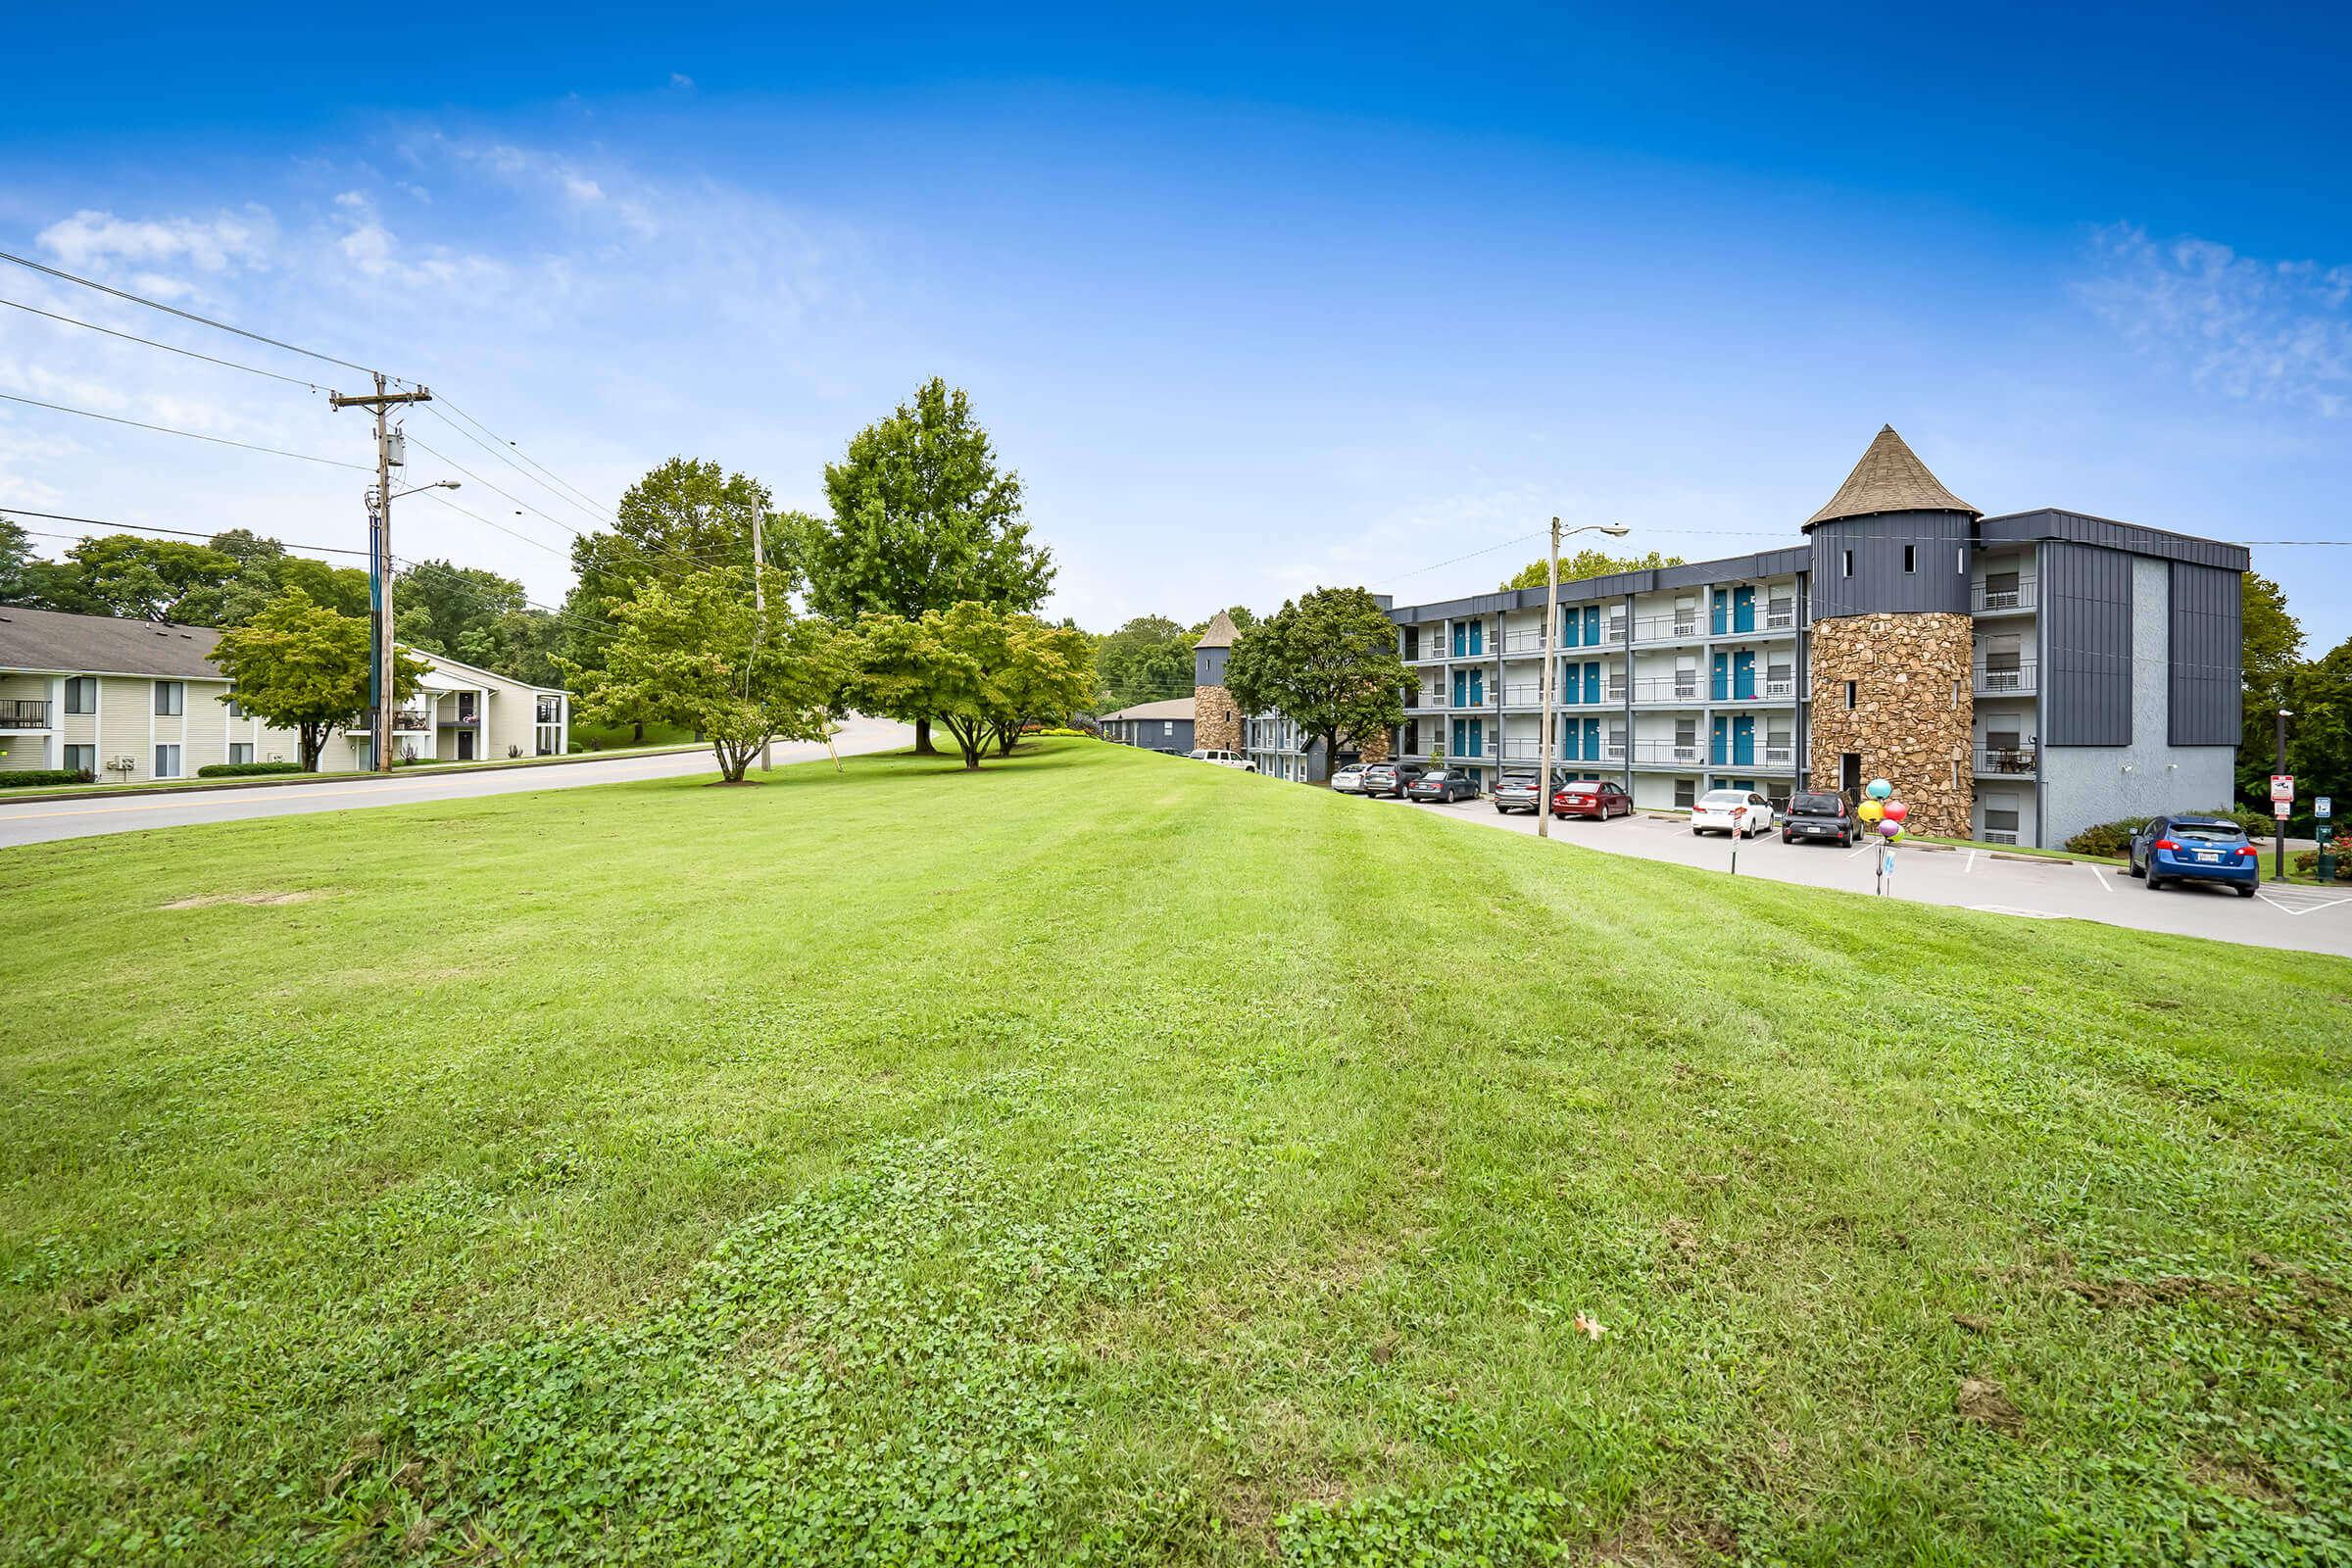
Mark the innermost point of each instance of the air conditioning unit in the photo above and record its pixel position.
(1999, 838)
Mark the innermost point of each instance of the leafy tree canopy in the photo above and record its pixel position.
(1328, 659)
(922, 520)
(1147, 659)
(298, 665)
(979, 670)
(1586, 563)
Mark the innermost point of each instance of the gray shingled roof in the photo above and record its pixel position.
(1220, 634)
(1889, 478)
(1173, 708)
(55, 641)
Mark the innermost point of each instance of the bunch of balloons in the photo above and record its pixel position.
(1881, 812)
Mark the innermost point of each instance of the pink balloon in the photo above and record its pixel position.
(1896, 810)
(1891, 827)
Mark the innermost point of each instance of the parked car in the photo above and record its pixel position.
(1442, 784)
(1728, 811)
(1349, 780)
(1392, 778)
(1819, 815)
(2196, 849)
(1516, 792)
(1591, 796)
(1224, 760)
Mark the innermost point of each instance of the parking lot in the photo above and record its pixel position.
(2026, 887)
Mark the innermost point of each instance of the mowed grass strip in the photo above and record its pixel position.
(1115, 1157)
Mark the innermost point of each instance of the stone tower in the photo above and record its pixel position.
(1216, 717)
(1891, 638)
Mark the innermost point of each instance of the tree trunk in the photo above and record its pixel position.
(637, 733)
(309, 741)
(1007, 737)
(922, 738)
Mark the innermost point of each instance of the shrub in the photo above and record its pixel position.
(245, 769)
(2307, 863)
(27, 778)
(2111, 839)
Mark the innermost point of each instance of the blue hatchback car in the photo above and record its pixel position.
(2196, 849)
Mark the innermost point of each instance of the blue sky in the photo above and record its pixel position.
(1251, 304)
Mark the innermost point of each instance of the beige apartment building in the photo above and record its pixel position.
(136, 701)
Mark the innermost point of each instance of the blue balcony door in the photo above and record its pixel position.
(1717, 749)
(1743, 742)
(1743, 676)
(1721, 684)
(1461, 681)
(1568, 740)
(1477, 638)
(1743, 609)
(1477, 687)
(1593, 681)
(1478, 738)
(1461, 639)
(1592, 625)
(1461, 738)
(1591, 740)
(1719, 611)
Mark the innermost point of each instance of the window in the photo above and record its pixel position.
(2000, 812)
(236, 710)
(83, 760)
(240, 751)
(81, 694)
(1845, 563)
(167, 758)
(1686, 793)
(1911, 557)
(171, 699)
(1849, 694)
(1167, 727)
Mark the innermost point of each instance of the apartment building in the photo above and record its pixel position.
(2019, 677)
(136, 701)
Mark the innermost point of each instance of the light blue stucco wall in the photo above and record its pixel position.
(2086, 785)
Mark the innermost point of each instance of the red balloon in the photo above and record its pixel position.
(1896, 810)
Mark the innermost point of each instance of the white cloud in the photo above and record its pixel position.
(682, 81)
(2262, 331)
(581, 188)
(91, 239)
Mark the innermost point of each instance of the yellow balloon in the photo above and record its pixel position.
(1870, 810)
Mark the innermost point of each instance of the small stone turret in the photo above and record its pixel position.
(1216, 717)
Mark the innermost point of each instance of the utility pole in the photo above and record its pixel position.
(767, 760)
(2278, 847)
(1552, 616)
(380, 661)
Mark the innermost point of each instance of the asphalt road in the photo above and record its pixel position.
(2281, 916)
(39, 820)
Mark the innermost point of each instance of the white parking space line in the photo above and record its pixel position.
(1971, 863)
(2295, 901)
(2101, 876)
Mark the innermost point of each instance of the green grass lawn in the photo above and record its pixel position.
(622, 737)
(1109, 1158)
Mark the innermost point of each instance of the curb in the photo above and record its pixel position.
(116, 792)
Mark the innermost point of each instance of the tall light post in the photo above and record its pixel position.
(2278, 841)
(381, 661)
(1552, 616)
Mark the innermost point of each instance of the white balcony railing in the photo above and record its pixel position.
(1668, 628)
(1991, 601)
(1777, 691)
(1779, 617)
(2006, 680)
(2005, 762)
(1669, 688)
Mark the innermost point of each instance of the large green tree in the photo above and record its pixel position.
(683, 518)
(298, 666)
(1328, 659)
(16, 555)
(1150, 658)
(1586, 563)
(693, 651)
(1048, 674)
(922, 520)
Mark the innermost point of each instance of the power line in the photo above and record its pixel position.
(602, 515)
(165, 429)
(487, 485)
(185, 316)
(540, 544)
(169, 348)
(527, 457)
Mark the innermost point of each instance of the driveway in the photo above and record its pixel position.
(35, 821)
(2283, 915)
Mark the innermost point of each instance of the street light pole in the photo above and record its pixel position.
(1551, 619)
(2278, 847)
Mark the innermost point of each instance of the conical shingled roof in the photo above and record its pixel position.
(1889, 478)
(1220, 634)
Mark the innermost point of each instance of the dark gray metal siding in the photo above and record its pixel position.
(1939, 580)
(2087, 635)
(2080, 528)
(2207, 655)
(1591, 590)
(1209, 665)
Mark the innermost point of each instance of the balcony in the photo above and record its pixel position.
(2013, 679)
(1991, 601)
(409, 721)
(1669, 754)
(1523, 644)
(1669, 688)
(1669, 628)
(463, 719)
(1781, 617)
(24, 712)
(2005, 762)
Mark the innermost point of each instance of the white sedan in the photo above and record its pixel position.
(1349, 780)
(1728, 811)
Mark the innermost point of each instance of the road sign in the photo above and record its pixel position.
(2322, 808)
(2282, 786)
(2282, 809)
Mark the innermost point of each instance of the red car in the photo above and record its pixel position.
(1586, 796)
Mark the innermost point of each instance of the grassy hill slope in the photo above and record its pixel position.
(1110, 1155)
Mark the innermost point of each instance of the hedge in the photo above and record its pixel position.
(245, 769)
(2114, 839)
(26, 777)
